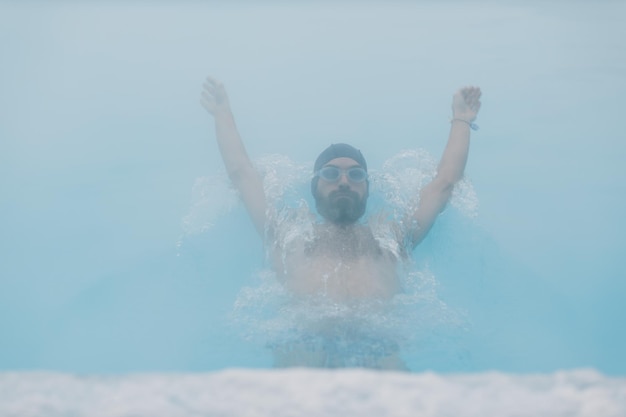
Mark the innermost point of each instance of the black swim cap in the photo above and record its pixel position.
(339, 150)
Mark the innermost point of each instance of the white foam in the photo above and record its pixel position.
(307, 392)
(206, 208)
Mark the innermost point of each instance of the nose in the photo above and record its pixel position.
(343, 178)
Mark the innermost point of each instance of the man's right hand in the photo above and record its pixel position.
(214, 98)
(466, 103)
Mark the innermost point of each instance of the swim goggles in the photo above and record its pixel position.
(332, 174)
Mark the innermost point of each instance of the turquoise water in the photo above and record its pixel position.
(102, 140)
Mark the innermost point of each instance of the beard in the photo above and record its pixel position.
(342, 207)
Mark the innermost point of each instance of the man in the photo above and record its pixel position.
(342, 259)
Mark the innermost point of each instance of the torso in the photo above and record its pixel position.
(344, 264)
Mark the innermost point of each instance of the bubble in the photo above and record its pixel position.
(211, 197)
(406, 173)
(270, 316)
(267, 314)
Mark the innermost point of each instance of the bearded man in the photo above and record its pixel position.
(343, 259)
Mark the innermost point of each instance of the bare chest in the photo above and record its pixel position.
(341, 267)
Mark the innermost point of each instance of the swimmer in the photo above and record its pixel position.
(343, 260)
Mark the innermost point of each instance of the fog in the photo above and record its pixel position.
(102, 135)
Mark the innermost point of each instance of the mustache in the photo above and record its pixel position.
(343, 193)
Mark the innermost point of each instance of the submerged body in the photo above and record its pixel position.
(342, 266)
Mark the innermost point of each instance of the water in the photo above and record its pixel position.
(358, 332)
(111, 263)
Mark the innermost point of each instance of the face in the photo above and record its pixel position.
(342, 201)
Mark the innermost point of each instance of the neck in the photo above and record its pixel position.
(340, 226)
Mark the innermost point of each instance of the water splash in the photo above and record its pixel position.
(267, 314)
(406, 173)
(355, 332)
(211, 197)
(395, 189)
(282, 179)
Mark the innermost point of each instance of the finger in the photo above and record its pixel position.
(211, 80)
(473, 94)
(209, 88)
(218, 85)
(471, 90)
(207, 96)
(468, 92)
(476, 103)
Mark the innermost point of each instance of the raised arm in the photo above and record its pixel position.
(435, 195)
(238, 165)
